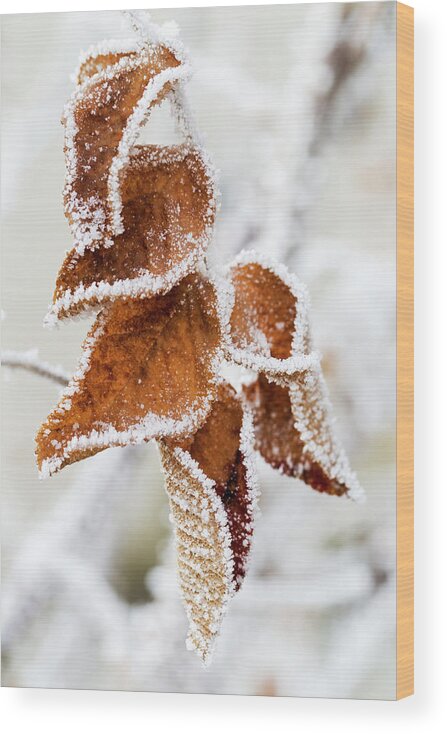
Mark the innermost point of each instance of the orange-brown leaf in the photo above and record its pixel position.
(168, 213)
(97, 62)
(103, 104)
(218, 448)
(275, 435)
(269, 329)
(294, 433)
(147, 370)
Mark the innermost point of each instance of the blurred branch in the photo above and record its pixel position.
(349, 54)
(295, 170)
(75, 530)
(29, 360)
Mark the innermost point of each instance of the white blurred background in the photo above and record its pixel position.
(297, 108)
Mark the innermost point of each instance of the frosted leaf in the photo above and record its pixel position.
(269, 322)
(168, 215)
(148, 369)
(103, 55)
(295, 434)
(114, 94)
(211, 483)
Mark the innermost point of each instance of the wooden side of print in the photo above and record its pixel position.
(405, 511)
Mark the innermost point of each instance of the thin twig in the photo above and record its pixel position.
(141, 24)
(30, 361)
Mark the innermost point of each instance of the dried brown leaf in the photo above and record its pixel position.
(211, 485)
(148, 369)
(168, 213)
(269, 328)
(294, 432)
(97, 62)
(104, 104)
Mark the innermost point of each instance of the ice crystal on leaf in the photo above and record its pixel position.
(151, 367)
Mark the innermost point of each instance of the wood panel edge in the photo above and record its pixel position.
(405, 352)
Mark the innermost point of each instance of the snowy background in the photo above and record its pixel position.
(297, 108)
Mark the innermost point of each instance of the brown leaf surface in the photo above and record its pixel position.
(262, 301)
(147, 370)
(210, 471)
(269, 328)
(95, 119)
(216, 447)
(168, 213)
(98, 62)
(294, 433)
(275, 435)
